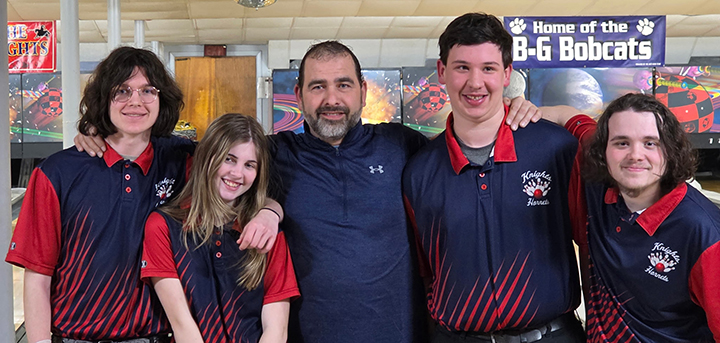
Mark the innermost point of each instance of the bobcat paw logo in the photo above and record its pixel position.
(517, 26)
(662, 263)
(645, 26)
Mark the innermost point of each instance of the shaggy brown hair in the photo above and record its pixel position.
(680, 157)
(110, 74)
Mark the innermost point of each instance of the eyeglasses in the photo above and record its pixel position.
(147, 94)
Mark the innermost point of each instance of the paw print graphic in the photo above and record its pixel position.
(645, 26)
(517, 26)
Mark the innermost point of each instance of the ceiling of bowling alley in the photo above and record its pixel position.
(225, 22)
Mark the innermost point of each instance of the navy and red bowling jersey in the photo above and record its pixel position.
(346, 228)
(82, 223)
(654, 276)
(224, 311)
(496, 239)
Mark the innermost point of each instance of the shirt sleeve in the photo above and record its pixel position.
(279, 281)
(704, 286)
(582, 127)
(188, 167)
(157, 257)
(35, 243)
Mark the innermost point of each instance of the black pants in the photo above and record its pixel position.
(571, 333)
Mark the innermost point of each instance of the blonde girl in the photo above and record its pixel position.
(212, 291)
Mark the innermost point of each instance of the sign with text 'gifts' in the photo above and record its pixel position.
(31, 46)
(575, 42)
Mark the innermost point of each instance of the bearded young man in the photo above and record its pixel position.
(654, 242)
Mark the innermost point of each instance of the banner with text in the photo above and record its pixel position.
(31, 46)
(572, 42)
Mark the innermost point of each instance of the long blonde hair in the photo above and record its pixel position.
(207, 210)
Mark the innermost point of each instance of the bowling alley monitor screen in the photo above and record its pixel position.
(588, 89)
(383, 103)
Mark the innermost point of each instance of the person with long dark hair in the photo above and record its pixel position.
(80, 229)
(654, 242)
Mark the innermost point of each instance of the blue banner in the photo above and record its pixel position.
(573, 42)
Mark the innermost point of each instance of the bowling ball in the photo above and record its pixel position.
(433, 98)
(688, 101)
(51, 102)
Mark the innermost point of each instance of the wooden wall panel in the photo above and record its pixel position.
(235, 85)
(214, 86)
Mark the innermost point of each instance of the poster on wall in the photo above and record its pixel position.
(31, 47)
(579, 42)
(425, 102)
(692, 93)
(589, 90)
(286, 112)
(42, 108)
(383, 103)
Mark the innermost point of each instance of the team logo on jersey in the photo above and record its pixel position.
(536, 185)
(12, 246)
(143, 264)
(662, 261)
(164, 189)
(378, 169)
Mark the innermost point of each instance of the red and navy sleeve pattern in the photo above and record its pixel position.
(224, 310)
(157, 255)
(515, 207)
(653, 275)
(279, 281)
(705, 286)
(35, 244)
(582, 127)
(82, 223)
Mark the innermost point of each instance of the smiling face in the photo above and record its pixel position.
(237, 172)
(133, 117)
(635, 158)
(332, 97)
(474, 79)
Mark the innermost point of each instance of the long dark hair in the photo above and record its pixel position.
(112, 72)
(680, 158)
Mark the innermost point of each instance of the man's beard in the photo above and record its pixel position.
(333, 130)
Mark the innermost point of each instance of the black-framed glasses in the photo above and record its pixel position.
(147, 94)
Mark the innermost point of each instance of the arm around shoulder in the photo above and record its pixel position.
(261, 231)
(559, 114)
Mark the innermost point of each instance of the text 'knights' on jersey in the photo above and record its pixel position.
(82, 223)
(496, 238)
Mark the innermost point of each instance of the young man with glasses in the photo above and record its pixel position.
(80, 230)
